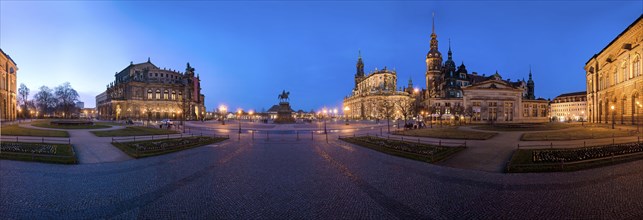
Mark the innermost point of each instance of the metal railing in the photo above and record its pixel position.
(27, 139)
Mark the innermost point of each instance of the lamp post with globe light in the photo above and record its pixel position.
(325, 112)
(239, 118)
(346, 109)
(613, 115)
(222, 111)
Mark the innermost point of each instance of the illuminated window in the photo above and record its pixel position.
(173, 95)
(149, 94)
(165, 94)
(158, 94)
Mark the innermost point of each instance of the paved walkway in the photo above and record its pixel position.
(89, 148)
(289, 179)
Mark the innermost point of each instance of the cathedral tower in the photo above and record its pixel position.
(359, 75)
(433, 65)
(530, 87)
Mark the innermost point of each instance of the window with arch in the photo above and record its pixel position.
(158, 94)
(149, 94)
(166, 94)
(636, 66)
(173, 95)
(615, 78)
(624, 72)
(180, 95)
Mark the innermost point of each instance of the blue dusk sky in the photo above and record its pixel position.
(248, 52)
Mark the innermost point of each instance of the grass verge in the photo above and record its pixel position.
(416, 151)
(133, 131)
(524, 160)
(15, 130)
(447, 133)
(140, 149)
(526, 127)
(48, 153)
(577, 133)
(46, 124)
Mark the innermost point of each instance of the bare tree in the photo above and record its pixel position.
(386, 108)
(45, 100)
(67, 98)
(23, 98)
(406, 107)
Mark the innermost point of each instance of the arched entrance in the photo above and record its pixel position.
(636, 105)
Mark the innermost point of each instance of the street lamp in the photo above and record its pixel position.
(324, 118)
(346, 109)
(638, 123)
(239, 119)
(613, 115)
(222, 110)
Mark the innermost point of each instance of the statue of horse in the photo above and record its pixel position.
(283, 96)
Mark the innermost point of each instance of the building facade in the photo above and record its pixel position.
(8, 88)
(452, 93)
(569, 107)
(145, 91)
(614, 79)
(375, 95)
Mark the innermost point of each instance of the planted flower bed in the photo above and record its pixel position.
(138, 149)
(548, 160)
(417, 151)
(42, 152)
(569, 155)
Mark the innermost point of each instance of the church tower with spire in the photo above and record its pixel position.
(433, 65)
(359, 74)
(530, 87)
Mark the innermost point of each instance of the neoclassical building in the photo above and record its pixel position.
(569, 107)
(8, 88)
(375, 95)
(145, 91)
(614, 79)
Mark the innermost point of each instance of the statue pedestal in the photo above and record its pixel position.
(284, 114)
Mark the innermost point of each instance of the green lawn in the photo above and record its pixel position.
(46, 124)
(526, 127)
(447, 133)
(60, 150)
(139, 149)
(15, 130)
(412, 150)
(576, 133)
(133, 131)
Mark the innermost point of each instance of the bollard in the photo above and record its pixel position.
(551, 145)
(380, 131)
(440, 143)
(516, 147)
(402, 138)
(465, 144)
(134, 138)
(311, 136)
(297, 135)
(418, 140)
(253, 135)
(583, 143)
(326, 137)
(43, 140)
(168, 136)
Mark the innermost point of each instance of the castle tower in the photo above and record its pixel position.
(433, 65)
